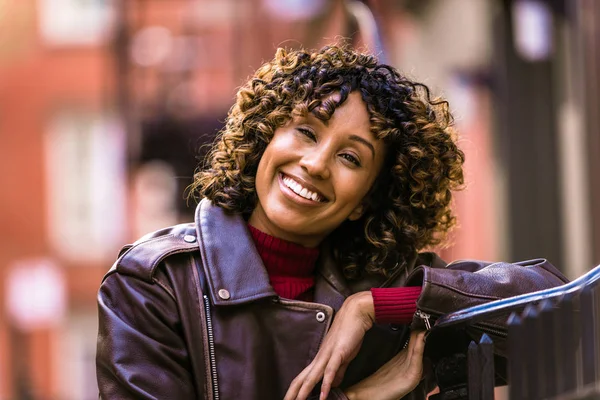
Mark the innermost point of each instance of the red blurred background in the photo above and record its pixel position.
(104, 105)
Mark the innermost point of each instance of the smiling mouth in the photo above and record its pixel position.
(300, 190)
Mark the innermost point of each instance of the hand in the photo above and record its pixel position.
(397, 377)
(340, 346)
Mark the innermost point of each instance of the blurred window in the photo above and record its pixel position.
(532, 29)
(75, 357)
(76, 22)
(295, 9)
(35, 294)
(85, 165)
(155, 194)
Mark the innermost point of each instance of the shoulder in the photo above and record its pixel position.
(430, 259)
(142, 258)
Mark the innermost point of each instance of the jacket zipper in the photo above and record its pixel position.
(211, 350)
(493, 331)
(426, 317)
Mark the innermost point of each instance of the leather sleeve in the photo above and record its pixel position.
(141, 353)
(467, 283)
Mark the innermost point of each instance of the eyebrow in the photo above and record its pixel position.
(354, 138)
(363, 141)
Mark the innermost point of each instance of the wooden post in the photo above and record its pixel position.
(566, 346)
(486, 361)
(474, 371)
(530, 353)
(515, 361)
(547, 350)
(596, 322)
(589, 336)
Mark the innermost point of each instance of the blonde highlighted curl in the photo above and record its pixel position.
(409, 206)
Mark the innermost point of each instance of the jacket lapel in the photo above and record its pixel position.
(231, 262)
(234, 271)
(331, 287)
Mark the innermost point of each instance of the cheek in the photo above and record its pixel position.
(280, 150)
(275, 154)
(282, 142)
(351, 188)
(262, 171)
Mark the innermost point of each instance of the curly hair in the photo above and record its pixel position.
(409, 205)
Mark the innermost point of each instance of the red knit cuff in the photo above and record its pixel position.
(395, 305)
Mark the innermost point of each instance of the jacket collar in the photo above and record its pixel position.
(331, 287)
(231, 262)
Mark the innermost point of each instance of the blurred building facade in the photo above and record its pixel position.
(104, 106)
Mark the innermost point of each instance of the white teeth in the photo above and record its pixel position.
(299, 190)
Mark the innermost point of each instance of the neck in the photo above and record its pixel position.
(290, 266)
(259, 220)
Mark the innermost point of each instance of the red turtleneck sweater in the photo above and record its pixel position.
(291, 272)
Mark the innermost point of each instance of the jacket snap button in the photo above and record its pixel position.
(189, 238)
(224, 294)
(320, 316)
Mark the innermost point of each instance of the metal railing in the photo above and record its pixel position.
(553, 342)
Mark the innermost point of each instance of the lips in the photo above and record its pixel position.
(303, 189)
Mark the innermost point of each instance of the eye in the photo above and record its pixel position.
(308, 133)
(350, 158)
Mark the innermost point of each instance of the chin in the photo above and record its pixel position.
(289, 225)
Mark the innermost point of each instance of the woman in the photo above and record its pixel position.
(331, 173)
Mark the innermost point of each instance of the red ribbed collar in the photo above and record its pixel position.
(283, 258)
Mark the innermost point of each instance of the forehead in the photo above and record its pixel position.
(352, 113)
(329, 106)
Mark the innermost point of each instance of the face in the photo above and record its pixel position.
(315, 174)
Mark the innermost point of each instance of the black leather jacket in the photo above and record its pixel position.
(188, 313)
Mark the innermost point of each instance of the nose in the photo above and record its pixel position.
(316, 163)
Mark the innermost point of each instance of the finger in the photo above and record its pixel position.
(310, 380)
(419, 348)
(415, 364)
(412, 342)
(296, 384)
(339, 376)
(303, 384)
(329, 375)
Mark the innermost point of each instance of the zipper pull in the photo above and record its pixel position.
(425, 317)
